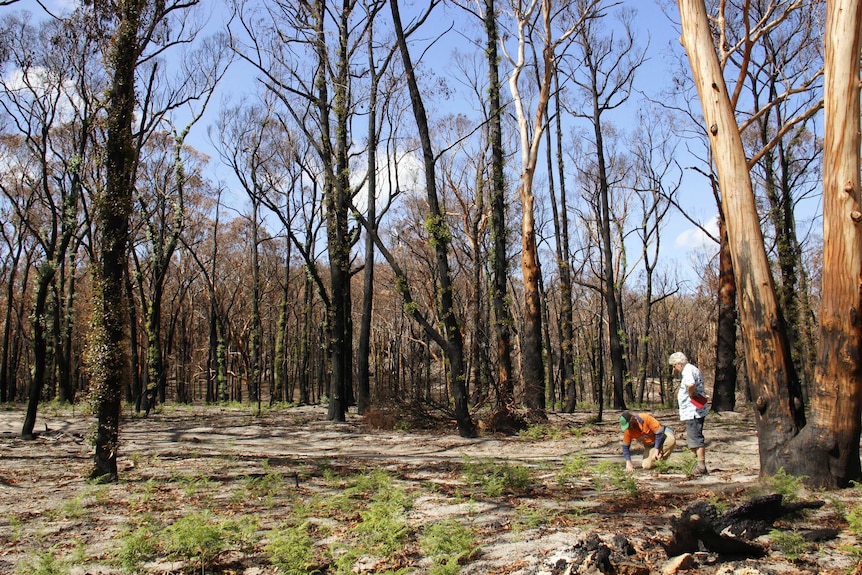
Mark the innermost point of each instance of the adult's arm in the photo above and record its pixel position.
(627, 451)
(659, 438)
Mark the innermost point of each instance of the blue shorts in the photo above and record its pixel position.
(694, 432)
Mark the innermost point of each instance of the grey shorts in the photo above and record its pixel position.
(694, 433)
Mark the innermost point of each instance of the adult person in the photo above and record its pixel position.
(658, 439)
(693, 406)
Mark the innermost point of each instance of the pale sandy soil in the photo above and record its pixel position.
(46, 504)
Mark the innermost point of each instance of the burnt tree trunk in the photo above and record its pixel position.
(453, 344)
(499, 233)
(733, 532)
(108, 363)
(724, 387)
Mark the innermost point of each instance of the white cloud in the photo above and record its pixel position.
(695, 238)
(402, 174)
(39, 82)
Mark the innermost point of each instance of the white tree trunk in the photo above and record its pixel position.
(769, 370)
(831, 444)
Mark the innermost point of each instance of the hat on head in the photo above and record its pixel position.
(624, 420)
(677, 357)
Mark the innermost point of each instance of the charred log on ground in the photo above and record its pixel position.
(732, 533)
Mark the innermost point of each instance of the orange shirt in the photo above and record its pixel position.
(642, 426)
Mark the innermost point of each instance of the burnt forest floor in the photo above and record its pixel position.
(225, 490)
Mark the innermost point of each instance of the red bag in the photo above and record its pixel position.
(699, 400)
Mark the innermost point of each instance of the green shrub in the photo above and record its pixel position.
(660, 466)
(527, 517)
(268, 485)
(851, 550)
(45, 563)
(495, 479)
(196, 484)
(384, 527)
(610, 474)
(363, 483)
(687, 463)
(291, 549)
(145, 495)
(356, 487)
(199, 536)
(720, 505)
(264, 487)
(135, 547)
(854, 519)
(17, 527)
(579, 431)
(574, 466)
(787, 485)
(791, 543)
(540, 431)
(74, 508)
(683, 463)
(448, 543)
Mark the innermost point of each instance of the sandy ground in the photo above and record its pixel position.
(41, 481)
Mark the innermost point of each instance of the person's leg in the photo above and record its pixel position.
(666, 449)
(649, 458)
(697, 443)
(700, 452)
(668, 446)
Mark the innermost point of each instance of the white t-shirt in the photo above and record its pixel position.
(687, 410)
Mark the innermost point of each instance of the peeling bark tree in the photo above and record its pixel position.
(779, 409)
(827, 450)
(532, 357)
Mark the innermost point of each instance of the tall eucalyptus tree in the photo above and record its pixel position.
(535, 21)
(499, 230)
(779, 407)
(451, 339)
(825, 449)
(494, 112)
(380, 94)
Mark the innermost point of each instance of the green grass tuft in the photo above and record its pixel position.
(291, 549)
(790, 543)
(44, 563)
(495, 479)
(448, 543)
(574, 466)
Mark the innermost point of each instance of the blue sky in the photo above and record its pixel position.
(681, 240)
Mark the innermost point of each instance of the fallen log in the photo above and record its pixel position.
(699, 524)
(756, 516)
(730, 533)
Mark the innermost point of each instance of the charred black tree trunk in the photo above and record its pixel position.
(453, 346)
(108, 360)
(724, 387)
